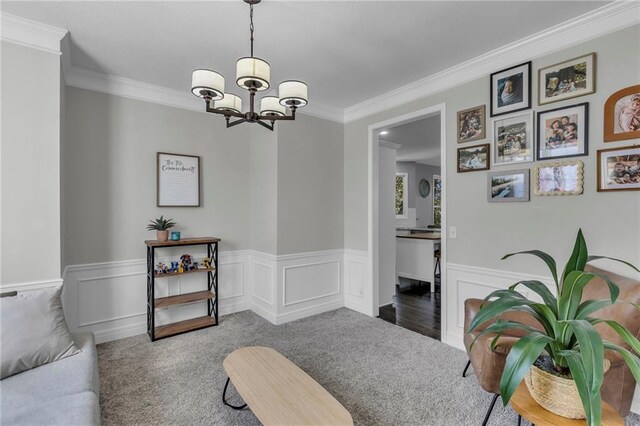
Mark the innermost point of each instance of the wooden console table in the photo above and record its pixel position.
(527, 407)
(210, 295)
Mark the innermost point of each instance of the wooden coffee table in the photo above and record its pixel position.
(527, 407)
(278, 392)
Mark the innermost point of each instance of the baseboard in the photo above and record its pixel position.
(309, 311)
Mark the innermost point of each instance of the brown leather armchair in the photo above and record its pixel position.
(619, 384)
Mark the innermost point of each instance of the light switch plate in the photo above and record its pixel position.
(452, 232)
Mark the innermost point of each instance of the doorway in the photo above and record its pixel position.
(415, 301)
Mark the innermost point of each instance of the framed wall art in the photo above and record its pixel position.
(508, 186)
(558, 178)
(471, 124)
(622, 115)
(473, 158)
(178, 180)
(619, 169)
(563, 132)
(513, 139)
(568, 79)
(511, 89)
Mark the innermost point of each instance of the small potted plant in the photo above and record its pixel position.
(567, 350)
(161, 226)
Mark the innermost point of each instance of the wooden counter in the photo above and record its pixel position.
(422, 236)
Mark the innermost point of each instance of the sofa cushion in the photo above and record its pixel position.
(71, 375)
(34, 331)
(77, 409)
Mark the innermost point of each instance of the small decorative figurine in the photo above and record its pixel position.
(161, 268)
(181, 268)
(186, 260)
(207, 263)
(174, 266)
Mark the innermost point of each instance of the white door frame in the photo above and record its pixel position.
(373, 208)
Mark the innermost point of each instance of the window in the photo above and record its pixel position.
(402, 193)
(437, 200)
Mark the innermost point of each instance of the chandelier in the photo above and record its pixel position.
(252, 74)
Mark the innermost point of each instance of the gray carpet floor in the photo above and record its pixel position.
(381, 373)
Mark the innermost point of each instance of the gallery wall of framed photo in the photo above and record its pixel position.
(555, 131)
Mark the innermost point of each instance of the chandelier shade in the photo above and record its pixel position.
(230, 102)
(253, 72)
(270, 105)
(293, 93)
(207, 84)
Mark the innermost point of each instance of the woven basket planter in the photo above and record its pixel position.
(556, 394)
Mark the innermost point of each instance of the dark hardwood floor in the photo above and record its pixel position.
(415, 309)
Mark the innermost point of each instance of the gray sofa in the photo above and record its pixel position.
(64, 392)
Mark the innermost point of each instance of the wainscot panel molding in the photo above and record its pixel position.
(612, 17)
(28, 33)
(109, 298)
(357, 281)
(464, 282)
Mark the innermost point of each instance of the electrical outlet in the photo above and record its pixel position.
(452, 232)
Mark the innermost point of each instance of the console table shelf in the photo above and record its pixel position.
(210, 295)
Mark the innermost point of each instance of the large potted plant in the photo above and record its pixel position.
(567, 348)
(161, 226)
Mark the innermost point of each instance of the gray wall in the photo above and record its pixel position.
(110, 176)
(310, 185)
(30, 189)
(277, 192)
(487, 231)
(263, 191)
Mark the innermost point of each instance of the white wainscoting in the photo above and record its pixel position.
(109, 298)
(30, 285)
(464, 282)
(357, 281)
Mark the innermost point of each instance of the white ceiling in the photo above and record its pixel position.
(419, 140)
(347, 51)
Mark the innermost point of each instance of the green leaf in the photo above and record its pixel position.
(625, 334)
(501, 325)
(494, 310)
(571, 293)
(542, 290)
(632, 360)
(591, 352)
(551, 263)
(591, 258)
(578, 258)
(590, 306)
(521, 356)
(614, 290)
(591, 402)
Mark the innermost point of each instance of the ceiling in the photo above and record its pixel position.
(347, 51)
(419, 140)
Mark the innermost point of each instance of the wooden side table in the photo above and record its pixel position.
(527, 407)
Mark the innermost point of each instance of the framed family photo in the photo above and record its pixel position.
(508, 186)
(619, 169)
(511, 89)
(622, 115)
(471, 124)
(568, 79)
(513, 139)
(558, 178)
(473, 158)
(563, 132)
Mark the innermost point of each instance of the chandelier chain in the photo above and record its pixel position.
(251, 27)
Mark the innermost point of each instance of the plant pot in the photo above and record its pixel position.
(162, 235)
(555, 393)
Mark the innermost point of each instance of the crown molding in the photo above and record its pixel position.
(25, 32)
(607, 19)
(133, 89)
